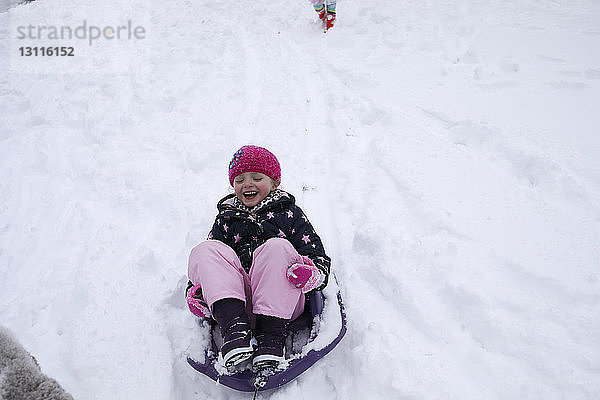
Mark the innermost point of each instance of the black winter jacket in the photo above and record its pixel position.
(244, 229)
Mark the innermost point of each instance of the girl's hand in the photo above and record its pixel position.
(304, 275)
(196, 302)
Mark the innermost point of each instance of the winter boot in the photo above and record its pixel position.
(329, 21)
(270, 334)
(330, 18)
(320, 9)
(231, 316)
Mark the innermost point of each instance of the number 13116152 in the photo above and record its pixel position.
(47, 51)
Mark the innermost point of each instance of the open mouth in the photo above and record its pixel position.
(250, 195)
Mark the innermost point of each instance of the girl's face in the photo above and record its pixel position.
(252, 187)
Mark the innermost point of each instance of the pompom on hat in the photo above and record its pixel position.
(254, 159)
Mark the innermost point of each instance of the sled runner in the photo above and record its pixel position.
(313, 335)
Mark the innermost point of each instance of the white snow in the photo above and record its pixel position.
(449, 156)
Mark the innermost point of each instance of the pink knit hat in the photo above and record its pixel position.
(254, 159)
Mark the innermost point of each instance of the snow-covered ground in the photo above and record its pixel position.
(449, 153)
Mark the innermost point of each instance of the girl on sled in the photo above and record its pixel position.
(261, 258)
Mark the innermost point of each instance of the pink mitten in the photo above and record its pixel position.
(196, 302)
(304, 275)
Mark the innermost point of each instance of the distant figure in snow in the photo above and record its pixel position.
(260, 260)
(326, 11)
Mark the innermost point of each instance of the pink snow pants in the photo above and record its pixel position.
(266, 290)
